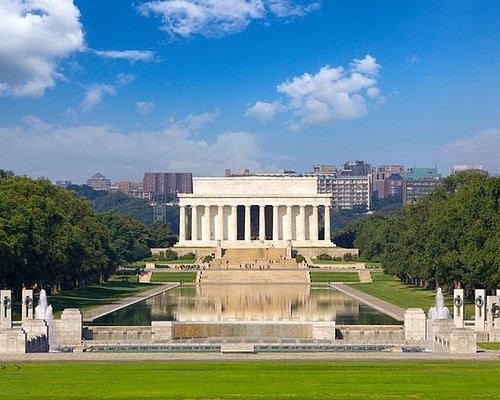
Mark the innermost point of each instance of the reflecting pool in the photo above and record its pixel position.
(230, 303)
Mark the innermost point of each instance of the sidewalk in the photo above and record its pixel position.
(387, 308)
(89, 316)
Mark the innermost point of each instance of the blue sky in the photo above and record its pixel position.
(124, 87)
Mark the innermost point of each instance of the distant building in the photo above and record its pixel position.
(64, 184)
(158, 185)
(325, 169)
(419, 183)
(99, 182)
(356, 168)
(133, 189)
(457, 169)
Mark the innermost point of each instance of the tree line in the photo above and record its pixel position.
(450, 238)
(51, 238)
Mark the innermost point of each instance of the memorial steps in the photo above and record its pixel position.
(254, 265)
(270, 276)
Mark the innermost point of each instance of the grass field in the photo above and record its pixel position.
(264, 380)
(390, 289)
(326, 262)
(185, 277)
(95, 295)
(327, 276)
(489, 346)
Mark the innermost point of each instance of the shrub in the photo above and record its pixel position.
(207, 258)
(187, 256)
(169, 255)
(325, 257)
(349, 257)
(300, 258)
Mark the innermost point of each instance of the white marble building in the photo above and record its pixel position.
(254, 211)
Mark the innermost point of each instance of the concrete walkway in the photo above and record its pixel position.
(487, 356)
(98, 312)
(387, 308)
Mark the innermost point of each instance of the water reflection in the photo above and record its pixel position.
(229, 303)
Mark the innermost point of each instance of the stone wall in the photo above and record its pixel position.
(392, 334)
(313, 252)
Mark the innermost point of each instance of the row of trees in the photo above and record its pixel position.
(51, 238)
(450, 239)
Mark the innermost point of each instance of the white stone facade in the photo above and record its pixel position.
(254, 211)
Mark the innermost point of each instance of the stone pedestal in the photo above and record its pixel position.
(12, 341)
(458, 307)
(27, 305)
(492, 304)
(479, 309)
(415, 325)
(5, 309)
(150, 265)
(463, 341)
(161, 331)
(324, 330)
(68, 330)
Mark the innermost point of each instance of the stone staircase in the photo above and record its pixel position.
(267, 276)
(254, 258)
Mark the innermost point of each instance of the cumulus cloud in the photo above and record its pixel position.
(333, 93)
(36, 35)
(263, 111)
(77, 152)
(95, 94)
(130, 55)
(480, 148)
(214, 18)
(144, 107)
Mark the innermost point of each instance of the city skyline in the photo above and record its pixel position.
(160, 86)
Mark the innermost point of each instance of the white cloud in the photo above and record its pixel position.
(130, 55)
(144, 107)
(481, 148)
(35, 36)
(213, 18)
(77, 152)
(330, 94)
(263, 111)
(95, 94)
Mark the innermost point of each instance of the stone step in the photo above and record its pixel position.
(249, 276)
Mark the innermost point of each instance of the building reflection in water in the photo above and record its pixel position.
(253, 303)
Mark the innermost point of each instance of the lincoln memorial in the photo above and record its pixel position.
(254, 211)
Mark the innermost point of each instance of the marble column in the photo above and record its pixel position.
(182, 223)
(248, 224)
(205, 225)
(276, 228)
(301, 226)
(233, 226)
(327, 223)
(194, 223)
(219, 224)
(289, 228)
(314, 224)
(262, 223)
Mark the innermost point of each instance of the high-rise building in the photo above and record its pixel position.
(99, 182)
(419, 183)
(167, 183)
(356, 168)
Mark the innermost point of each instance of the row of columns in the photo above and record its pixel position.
(233, 223)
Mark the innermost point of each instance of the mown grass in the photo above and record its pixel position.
(252, 380)
(329, 276)
(89, 297)
(185, 277)
(392, 290)
(325, 262)
(489, 346)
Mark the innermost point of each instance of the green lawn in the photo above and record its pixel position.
(390, 289)
(490, 346)
(252, 380)
(95, 295)
(187, 277)
(328, 276)
(325, 262)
